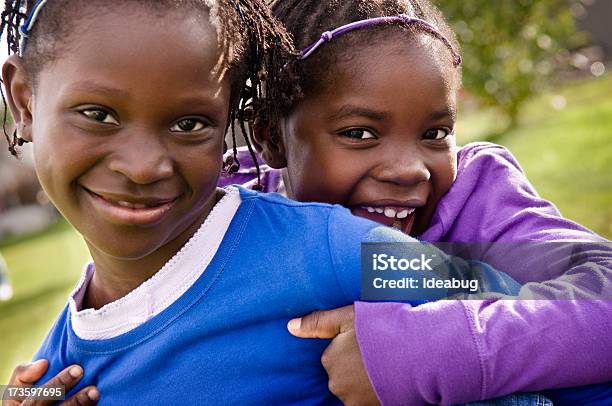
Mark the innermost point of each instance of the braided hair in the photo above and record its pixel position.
(306, 20)
(253, 44)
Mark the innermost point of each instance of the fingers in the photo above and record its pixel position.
(68, 378)
(85, 397)
(347, 375)
(323, 324)
(27, 374)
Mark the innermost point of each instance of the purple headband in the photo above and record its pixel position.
(327, 36)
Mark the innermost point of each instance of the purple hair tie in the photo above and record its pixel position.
(327, 36)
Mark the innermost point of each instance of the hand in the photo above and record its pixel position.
(348, 379)
(28, 374)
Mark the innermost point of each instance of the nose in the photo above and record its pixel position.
(143, 158)
(404, 167)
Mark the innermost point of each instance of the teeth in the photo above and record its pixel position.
(132, 205)
(389, 212)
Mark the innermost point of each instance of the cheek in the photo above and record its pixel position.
(58, 157)
(304, 161)
(207, 161)
(444, 171)
(201, 167)
(43, 163)
(324, 175)
(308, 174)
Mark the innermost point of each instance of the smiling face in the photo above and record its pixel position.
(378, 137)
(128, 127)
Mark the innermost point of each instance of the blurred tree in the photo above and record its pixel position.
(512, 48)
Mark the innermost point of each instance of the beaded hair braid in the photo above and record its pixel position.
(253, 44)
(307, 20)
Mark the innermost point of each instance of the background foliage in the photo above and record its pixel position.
(511, 49)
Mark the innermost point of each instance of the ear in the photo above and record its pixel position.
(272, 149)
(18, 95)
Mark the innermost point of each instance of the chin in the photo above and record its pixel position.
(135, 250)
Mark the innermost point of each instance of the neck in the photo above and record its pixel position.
(287, 189)
(114, 277)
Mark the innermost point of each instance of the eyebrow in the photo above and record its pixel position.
(201, 100)
(204, 99)
(98, 88)
(444, 113)
(350, 110)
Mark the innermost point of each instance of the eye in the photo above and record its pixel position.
(436, 134)
(358, 134)
(187, 125)
(100, 116)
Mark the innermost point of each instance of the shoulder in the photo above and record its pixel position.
(341, 223)
(275, 216)
(328, 235)
(490, 169)
(486, 155)
(276, 199)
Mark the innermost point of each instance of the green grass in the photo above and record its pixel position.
(43, 269)
(567, 155)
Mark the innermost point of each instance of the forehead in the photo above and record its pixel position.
(395, 73)
(136, 45)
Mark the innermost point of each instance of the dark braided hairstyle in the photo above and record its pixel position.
(253, 44)
(306, 20)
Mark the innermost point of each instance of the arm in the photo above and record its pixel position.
(463, 351)
(342, 359)
(458, 351)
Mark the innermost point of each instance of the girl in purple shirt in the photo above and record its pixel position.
(369, 115)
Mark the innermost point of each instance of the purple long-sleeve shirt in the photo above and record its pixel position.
(451, 352)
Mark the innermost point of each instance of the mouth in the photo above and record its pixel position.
(398, 217)
(126, 210)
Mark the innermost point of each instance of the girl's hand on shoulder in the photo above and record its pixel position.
(348, 379)
(69, 377)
